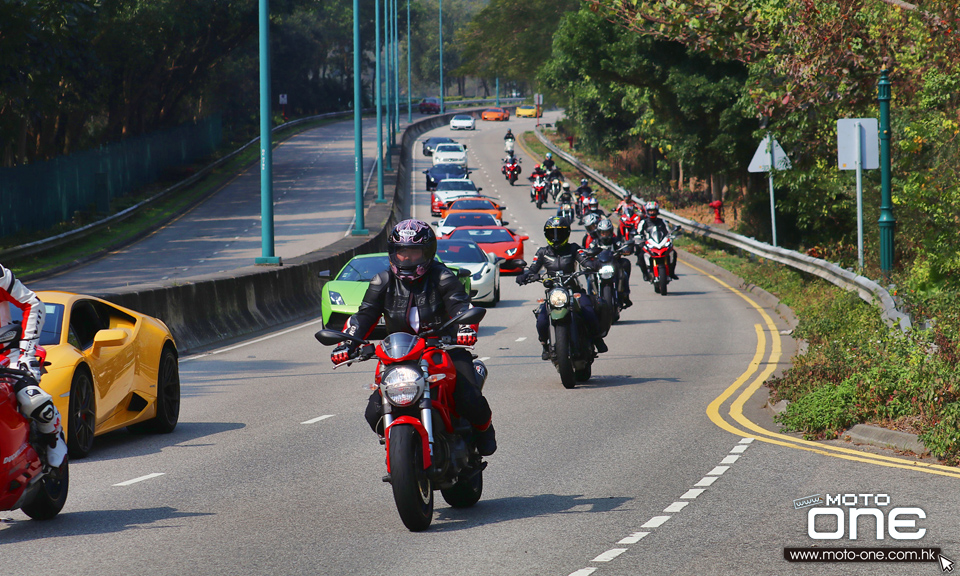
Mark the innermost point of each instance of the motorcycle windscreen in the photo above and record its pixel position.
(399, 344)
(658, 233)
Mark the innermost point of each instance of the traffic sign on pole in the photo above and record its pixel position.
(858, 148)
(769, 157)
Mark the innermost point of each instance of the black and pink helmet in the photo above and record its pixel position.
(412, 246)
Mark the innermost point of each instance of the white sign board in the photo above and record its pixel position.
(283, 99)
(538, 99)
(761, 158)
(847, 143)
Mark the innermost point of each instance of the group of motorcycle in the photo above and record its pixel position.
(428, 446)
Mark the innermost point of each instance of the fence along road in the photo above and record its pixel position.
(314, 206)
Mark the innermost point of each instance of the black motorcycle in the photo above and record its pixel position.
(571, 347)
(604, 283)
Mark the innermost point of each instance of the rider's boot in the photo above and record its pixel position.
(486, 439)
(37, 405)
(600, 345)
(545, 354)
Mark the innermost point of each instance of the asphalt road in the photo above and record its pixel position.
(660, 464)
(314, 206)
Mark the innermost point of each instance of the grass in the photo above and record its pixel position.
(147, 217)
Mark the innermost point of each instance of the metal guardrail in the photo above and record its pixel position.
(867, 289)
(79, 233)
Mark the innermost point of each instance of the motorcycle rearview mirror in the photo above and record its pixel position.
(514, 265)
(329, 337)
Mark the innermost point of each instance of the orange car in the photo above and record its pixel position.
(495, 114)
(473, 204)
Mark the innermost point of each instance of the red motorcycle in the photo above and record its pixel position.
(656, 249)
(428, 445)
(511, 171)
(28, 485)
(629, 222)
(539, 191)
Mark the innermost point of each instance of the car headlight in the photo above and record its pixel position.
(512, 251)
(606, 271)
(480, 274)
(336, 299)
(557, 298)
(402, 385)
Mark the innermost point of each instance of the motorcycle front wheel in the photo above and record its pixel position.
(412, 490)
(662, 280)
(51, 495)
(561, 346)
(539, 202)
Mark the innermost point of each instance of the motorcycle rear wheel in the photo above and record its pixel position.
(466, 492)
(564, 363)
(51, 496)
(412, 489)
(584, 375)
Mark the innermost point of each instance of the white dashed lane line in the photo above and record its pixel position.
(674, 508)
(318, 419)
(140, 479)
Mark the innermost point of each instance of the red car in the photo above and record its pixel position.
(429, 106)
(497, 240)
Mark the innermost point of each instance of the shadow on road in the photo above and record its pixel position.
(126, 444)
(651, 321)
(519, 507)
(610, 381)
(92, 522)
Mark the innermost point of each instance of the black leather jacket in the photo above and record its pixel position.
(565, 197)
(438, 296)
(649, 223)
(583, 191)
(549, 165)
(563, 260)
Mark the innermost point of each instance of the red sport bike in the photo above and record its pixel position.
(538, 190)
(429, 447)
(511, 171)
(657, 248)
(27, 484)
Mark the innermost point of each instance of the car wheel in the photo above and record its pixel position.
(82, 420)
(168, 397)
(496, 295)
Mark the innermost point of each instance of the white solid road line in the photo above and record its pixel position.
(140, 479)
(318, 419)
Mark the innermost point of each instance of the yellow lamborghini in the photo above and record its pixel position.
(109, 367)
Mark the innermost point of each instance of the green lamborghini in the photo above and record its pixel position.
(342, 295)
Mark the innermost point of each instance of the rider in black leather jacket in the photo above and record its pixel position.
(608, 237)
(419, 292)
(561, 255)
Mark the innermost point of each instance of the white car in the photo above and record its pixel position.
(449, 190)
(484, 267)
(450, 154)
(457, 219)
(463, 122)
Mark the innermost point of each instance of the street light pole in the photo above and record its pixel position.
(379, 98)
(357, 124)
(386, 158)
(887, 220)
(396, 69)
(441, 58)
(266, 148)
(409, 103)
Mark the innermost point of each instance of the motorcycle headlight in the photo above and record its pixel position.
(606, 271)
(402, 385)
(336, 299)
(557, 298)
(512, 251)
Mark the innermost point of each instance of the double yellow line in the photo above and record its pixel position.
(762, 370)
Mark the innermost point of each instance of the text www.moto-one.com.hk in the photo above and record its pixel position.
(861, 554)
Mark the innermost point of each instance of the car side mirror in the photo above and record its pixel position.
(435, 224)
(105, 338)
(501, 207)
(522, 238)
(323, 274)
(479, 189)
(504, 223)
(463, 273)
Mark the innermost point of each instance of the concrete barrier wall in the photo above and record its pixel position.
(204, 310)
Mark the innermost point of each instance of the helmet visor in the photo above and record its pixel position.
(557, 235)
(408, 257)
